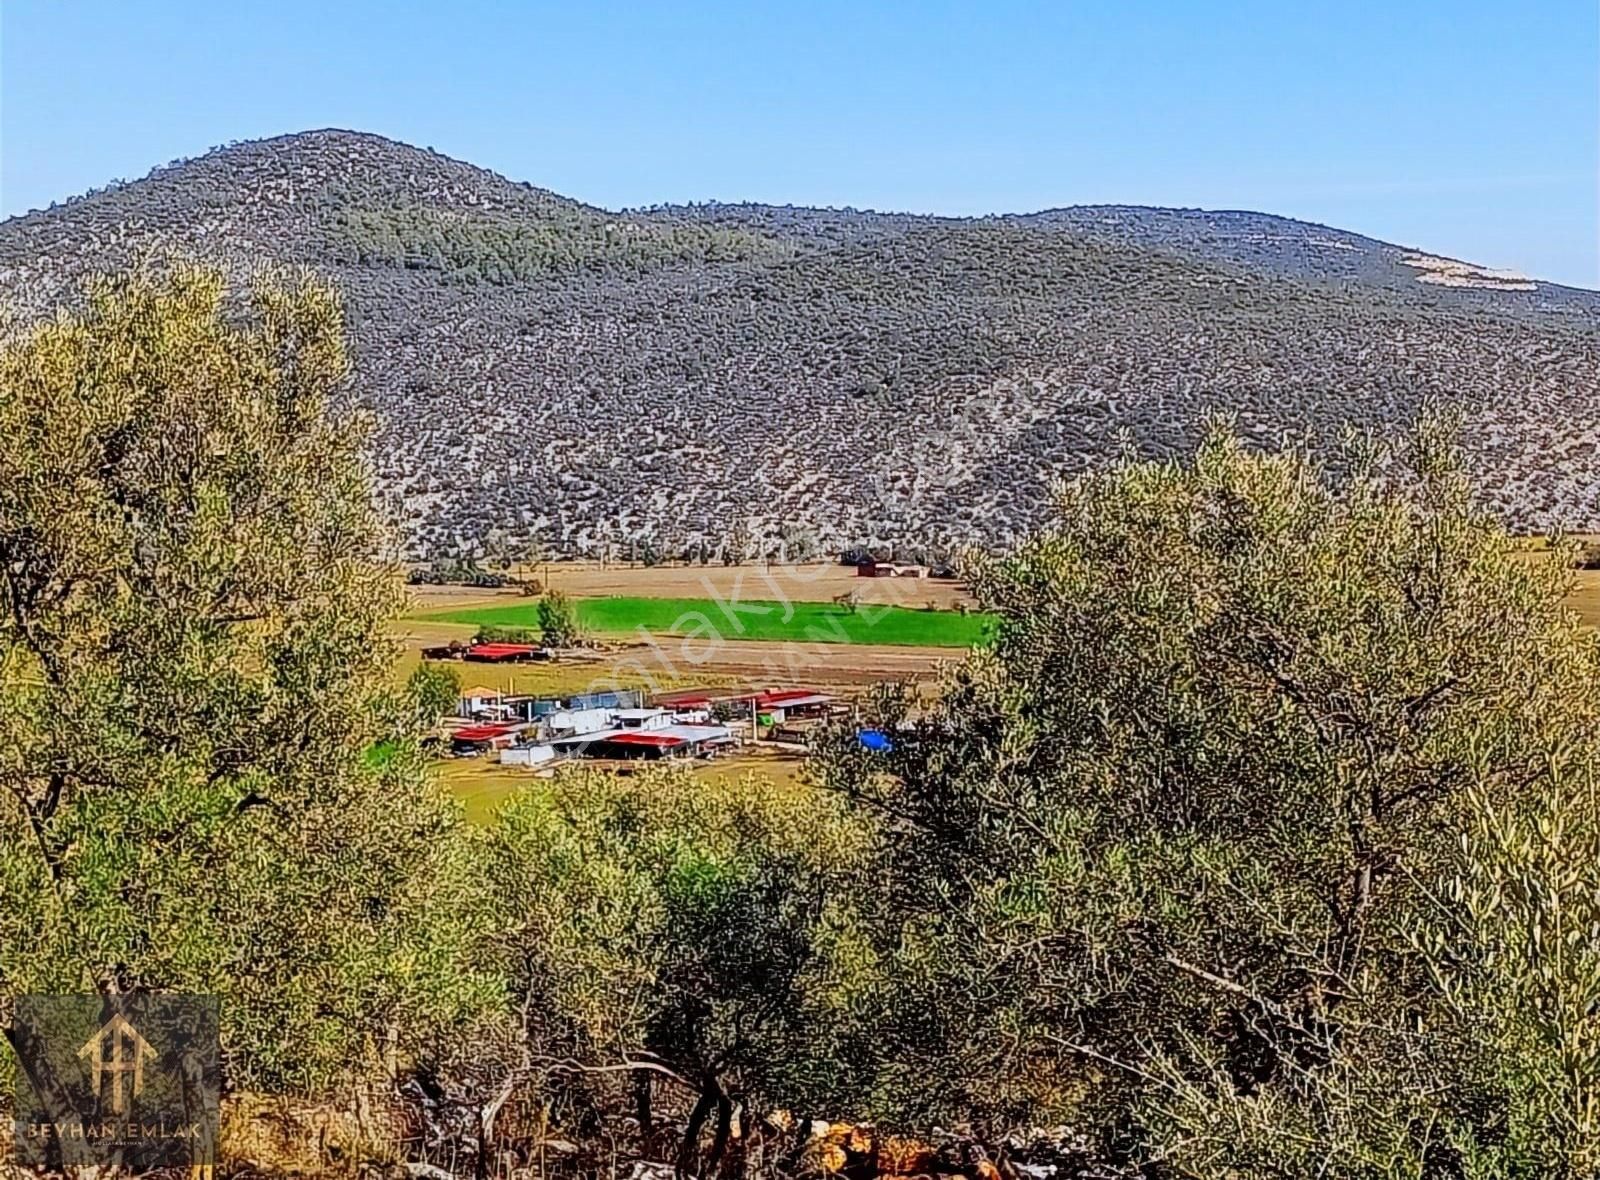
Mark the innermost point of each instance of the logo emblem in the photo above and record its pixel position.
(118, 1052)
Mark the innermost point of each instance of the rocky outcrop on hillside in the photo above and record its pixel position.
(688, 380)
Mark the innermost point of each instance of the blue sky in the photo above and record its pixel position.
(1466, 127)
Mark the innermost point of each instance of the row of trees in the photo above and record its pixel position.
(508, 560)
(1263, 842)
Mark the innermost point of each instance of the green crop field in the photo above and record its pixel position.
(712, 621)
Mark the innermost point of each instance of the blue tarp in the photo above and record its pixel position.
(874, 739)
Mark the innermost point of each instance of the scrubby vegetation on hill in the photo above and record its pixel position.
(716, 377)
(502, 248)
(1263, 841)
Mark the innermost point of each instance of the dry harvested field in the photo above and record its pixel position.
(821, 582)
(1585, 597)
(818, 583)
(732, 662)
(483, 786)
(662, 667)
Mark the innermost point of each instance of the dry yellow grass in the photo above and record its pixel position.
(1585, 596)
(782, 768)
(483, 785)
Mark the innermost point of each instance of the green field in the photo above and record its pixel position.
(708, 620)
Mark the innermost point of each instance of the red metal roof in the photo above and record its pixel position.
(482, 733)
(502, 649)
(767, 697)
(645, 738)
(778, 696)
(688, 696)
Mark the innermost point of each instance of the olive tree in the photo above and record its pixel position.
(206, 780)
(558, 620)
(1178, 851)
(432, 691)
(695, 936)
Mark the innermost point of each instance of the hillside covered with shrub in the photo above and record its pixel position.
(732, 379)
(1263, 840)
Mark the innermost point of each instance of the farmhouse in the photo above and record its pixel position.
(480, 701)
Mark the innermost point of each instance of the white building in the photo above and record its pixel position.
(531, 755)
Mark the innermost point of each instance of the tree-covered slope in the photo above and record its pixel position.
(680, 376)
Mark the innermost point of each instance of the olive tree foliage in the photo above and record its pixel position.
(684, 934)
(1263, 836)
(433, 691)
(559, 625)
(1516, 950)
(205, 778)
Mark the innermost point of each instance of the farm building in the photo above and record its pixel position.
(504, 653)
(792, 704)
(532, 731)
(778, 704)
(872, 568)
(473, 740)
(658, 741)
(532, 754)
(784, 714)
(479, 701)
(567, 724)
(642, 718)
(490, 704)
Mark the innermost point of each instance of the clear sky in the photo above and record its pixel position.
(1467, 127)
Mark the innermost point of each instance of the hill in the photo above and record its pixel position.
(685, 378)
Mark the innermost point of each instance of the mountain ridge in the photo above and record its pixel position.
(675, 377)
